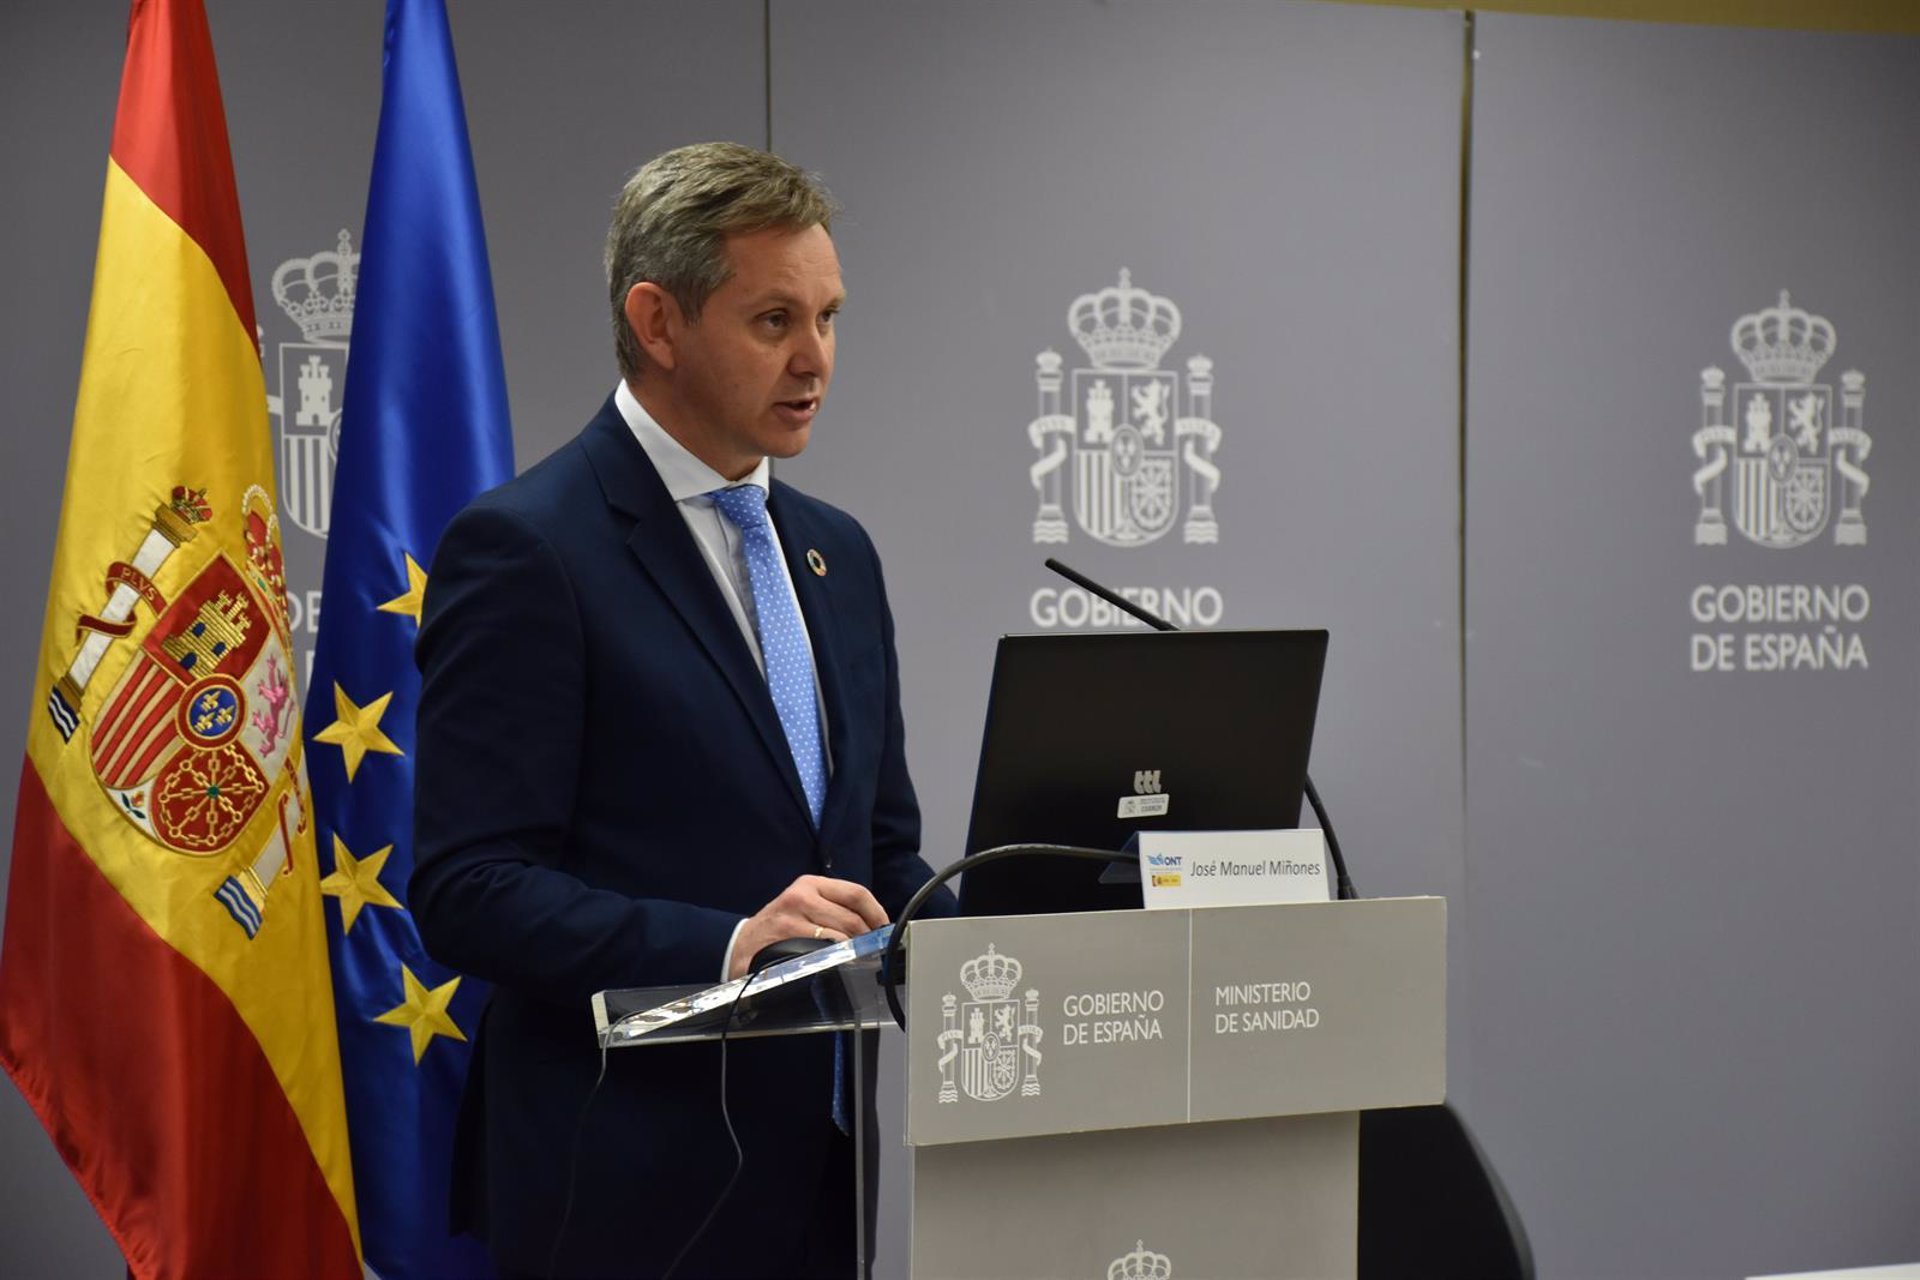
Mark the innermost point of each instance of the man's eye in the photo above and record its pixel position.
(774, 320)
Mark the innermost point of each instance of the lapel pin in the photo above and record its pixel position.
(817, 563)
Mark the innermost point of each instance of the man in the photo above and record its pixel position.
(659, 729)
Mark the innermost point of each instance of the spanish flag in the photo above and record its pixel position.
(165, 1004)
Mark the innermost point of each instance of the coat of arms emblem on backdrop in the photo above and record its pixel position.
(1118, 440)
(317, 294)
(1778, 451)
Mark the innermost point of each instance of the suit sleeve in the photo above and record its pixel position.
(502, 660)
(898, 868)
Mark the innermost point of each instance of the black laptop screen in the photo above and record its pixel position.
(1091, 738)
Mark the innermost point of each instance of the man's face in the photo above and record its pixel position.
(752, 372)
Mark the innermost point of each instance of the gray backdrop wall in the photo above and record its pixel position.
(1691, 917)
(1684, 902)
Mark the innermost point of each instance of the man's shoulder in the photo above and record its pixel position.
(549, 495)
(544, 489)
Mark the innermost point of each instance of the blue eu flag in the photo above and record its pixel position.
(424, 427)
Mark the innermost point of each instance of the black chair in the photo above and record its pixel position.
(1431, 1206)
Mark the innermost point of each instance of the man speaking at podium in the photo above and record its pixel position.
(659, 729)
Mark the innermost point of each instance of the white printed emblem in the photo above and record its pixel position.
(1773, 448)
(1118, 440)
(317, 294)
(1142, 1264)
(1147, 800)
(994, 1037)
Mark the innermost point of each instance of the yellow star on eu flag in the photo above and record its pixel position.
(409, 601)
(356, 882)
(357, 731)
(424, 1012)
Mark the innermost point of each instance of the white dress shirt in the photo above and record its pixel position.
(688, 482)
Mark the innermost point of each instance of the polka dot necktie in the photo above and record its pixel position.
(783, 647)
(783, 642)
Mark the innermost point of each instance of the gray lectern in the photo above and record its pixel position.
(1167, 1095)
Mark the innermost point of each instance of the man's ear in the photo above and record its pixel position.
(654, 316)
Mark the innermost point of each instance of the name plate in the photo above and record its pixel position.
(1232, 868)
(1026, 1025)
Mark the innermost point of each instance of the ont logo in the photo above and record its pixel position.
(1146, 782)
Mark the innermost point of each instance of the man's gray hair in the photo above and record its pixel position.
(675, 213)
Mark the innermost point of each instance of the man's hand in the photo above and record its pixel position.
(810, 907)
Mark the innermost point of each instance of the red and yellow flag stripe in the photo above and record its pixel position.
(165, 1004)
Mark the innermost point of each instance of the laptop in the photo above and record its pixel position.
(1092, 738)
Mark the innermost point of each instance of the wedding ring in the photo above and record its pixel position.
(818, 930)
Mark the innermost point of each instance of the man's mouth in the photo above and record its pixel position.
(801, 409)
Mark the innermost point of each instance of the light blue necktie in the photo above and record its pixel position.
(783, 647)
(783, 641)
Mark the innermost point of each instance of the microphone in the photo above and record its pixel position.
(1343, 884)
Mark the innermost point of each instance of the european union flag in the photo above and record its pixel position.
(424, 427)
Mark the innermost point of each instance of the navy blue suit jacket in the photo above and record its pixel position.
(603, 792)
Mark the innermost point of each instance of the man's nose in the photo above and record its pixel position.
(811, 356)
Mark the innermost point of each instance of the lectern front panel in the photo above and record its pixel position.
(1026, 1025)
(1273, 1198)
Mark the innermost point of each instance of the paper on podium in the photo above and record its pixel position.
(836, 988)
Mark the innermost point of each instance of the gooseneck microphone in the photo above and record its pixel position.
(891, 968)
(1343, 884)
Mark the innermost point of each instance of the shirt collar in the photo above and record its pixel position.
(685, 476)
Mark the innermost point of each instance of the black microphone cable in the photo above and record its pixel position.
(573, 1153)
(726, 1116)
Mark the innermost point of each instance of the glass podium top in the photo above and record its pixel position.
(836, 988)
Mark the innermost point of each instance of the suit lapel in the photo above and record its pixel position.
(665, 548)
(800, 535)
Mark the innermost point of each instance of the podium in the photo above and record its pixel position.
(1130, 1094)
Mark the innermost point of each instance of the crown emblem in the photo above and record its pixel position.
(190, 505)
(317, 292)
(991, 976)
(1142, 1264)
(1124, 327)
(1783, 343)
